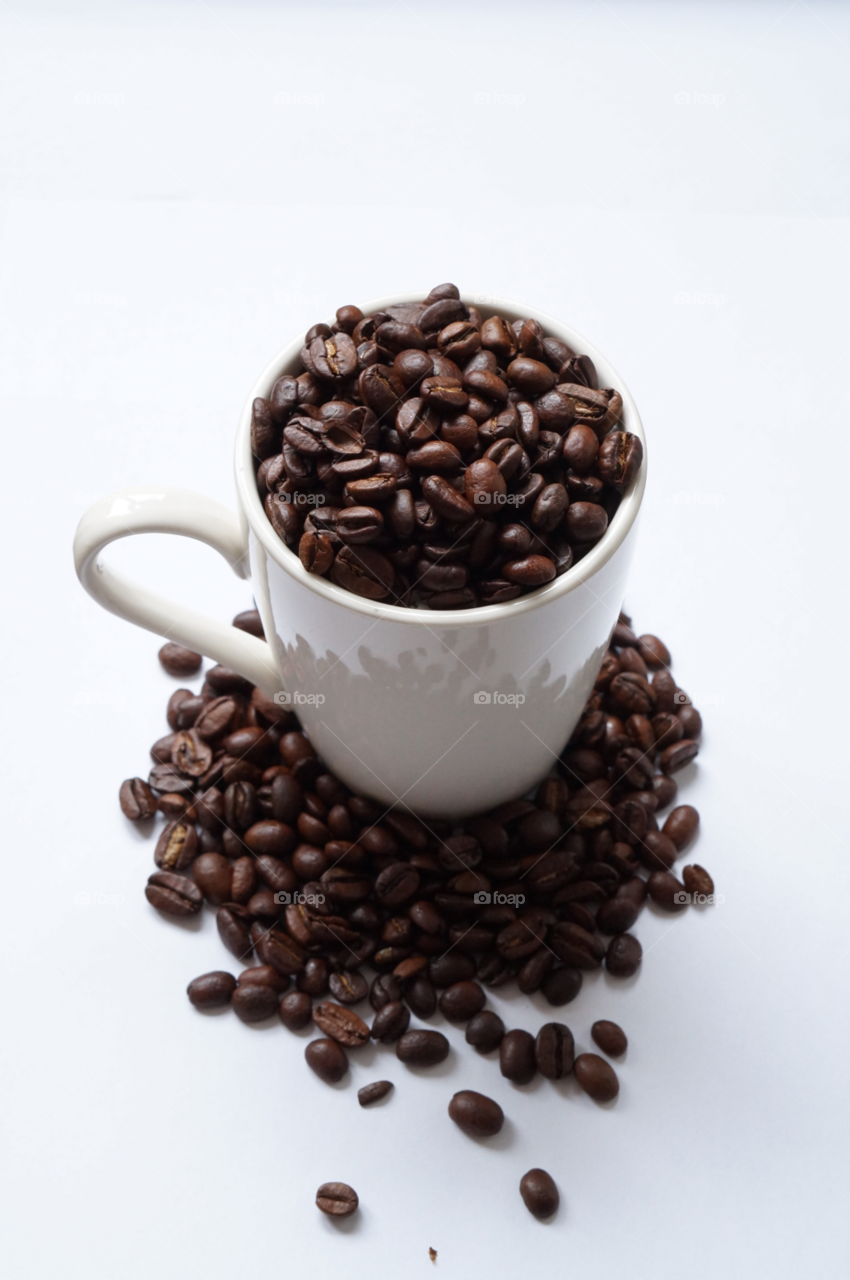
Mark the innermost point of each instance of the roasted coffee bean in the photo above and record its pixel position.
(697, 881)
(476, 1114)
(610, 1038)
(678, 755)
(517, 1060)
(176, 847)
(617, 915)
(232, 923)
(620, 456)
(421, 997)
(363, 571)
(336, 1199)
(539, 1193)
(211, 990)
(461, 1001)
(396, 884)
(390, 1022)
(666, 891)
(214, 877)
(263, 975)
(681, 826)
(179, 661)
(454, 967)
(296, 1011)
(254, 1002)
(327, 1058)
(350, 988)
(624, 954)
(137, 800)
(554, 1050)
(422, 1048)
(340, 1023)
(532, 571)
(597, 1077)
(485, 1031)
(562, 985)
(173, 895)
(374, 1092)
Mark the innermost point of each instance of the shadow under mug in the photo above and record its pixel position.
(443, 712)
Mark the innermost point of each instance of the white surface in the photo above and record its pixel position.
(156, 252)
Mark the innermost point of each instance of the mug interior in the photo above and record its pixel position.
(287, 361)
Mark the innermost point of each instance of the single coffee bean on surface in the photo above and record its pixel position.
(254, 1002)
(624, 954)
(422, 1048)
(610, 1037)
(597, 1077)
(137, 800)
(211, 990)
(539, 1193)
(174, 895)
(697, 881)
(517, 1061)
(476, 1114)
(327, 1059)
(374, 1092)
(485, 1031)
(337, 1199)
(179, 661)
(554, 1050)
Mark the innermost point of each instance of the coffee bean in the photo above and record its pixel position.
(678, 755)
(137, 800)
(254, 1002)
(341, 1024)
(391, 1022)
(666, 891)
(396, 884)
(517, 1060)
(623, 957)
(296, 1010)
(597, 1077)
(539, 1193)
(374, 1092)
(173, 895)
(327, 1058)
(461, 1001)
(214, 877)
(337, 1199)
(211, 990)
(485, 1031)
(476, 1114)
(179, 661)
(681, 826)
(349, 988)
(610, 1038)
(697, 880)
(560, 986)
(554, 1050)
(232, 924)
(422, 1048)
(263, 975)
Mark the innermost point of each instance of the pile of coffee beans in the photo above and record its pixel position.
(428, 456)
(332, 901)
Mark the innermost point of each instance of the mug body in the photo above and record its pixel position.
(446, 713)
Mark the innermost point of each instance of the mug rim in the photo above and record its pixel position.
(253, 510)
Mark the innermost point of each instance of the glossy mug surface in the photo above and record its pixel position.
(446, 713)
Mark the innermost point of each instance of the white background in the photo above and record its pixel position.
(186, 187)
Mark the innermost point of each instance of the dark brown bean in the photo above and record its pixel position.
(254, 1002)
(137, 800)
(179, 661)
(173, 895)
(374, 1092)
(485, 1031)
(295, 1010)
(337, 1199)
(327, 1059)
(422, 1048)
(539, 1193)
(597, 1077)
(476, 1114)
(697, 881)
(211, 990)
(610, 1037)
(517, 1061)
(341, 1024)
(461, 1001)
(624, 954)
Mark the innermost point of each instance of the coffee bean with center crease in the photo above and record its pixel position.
(337, 1199)
(327, 1058)
(396, 884)
(554, 1050)
(340, 1024)
(597, 1077)
(539, 1193)
(476, 1114)
(232, 922)
(363, 571)
(173, 895)
(211, 990)
(349, 988)
(422, 1048)
(137, 800)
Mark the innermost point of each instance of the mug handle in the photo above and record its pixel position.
(160, 509)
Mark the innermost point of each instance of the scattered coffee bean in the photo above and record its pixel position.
(539, 1193)
(337, 1199)
(554, 1050)
(211, 990)
(485, 1031)
(341, 1024)
(179, 661)
(374, 1092)
(624, 954)
(296, 1010)
(254, 1002)
(517, 1061)
(137, 800)
(597, 1077)
(697, 881)
(173, 895)
(610, 1038)
(327, 1058)
(461, 1001)
(422, 1048)
(476, 1114)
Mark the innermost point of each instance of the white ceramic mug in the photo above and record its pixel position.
(444, 712)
